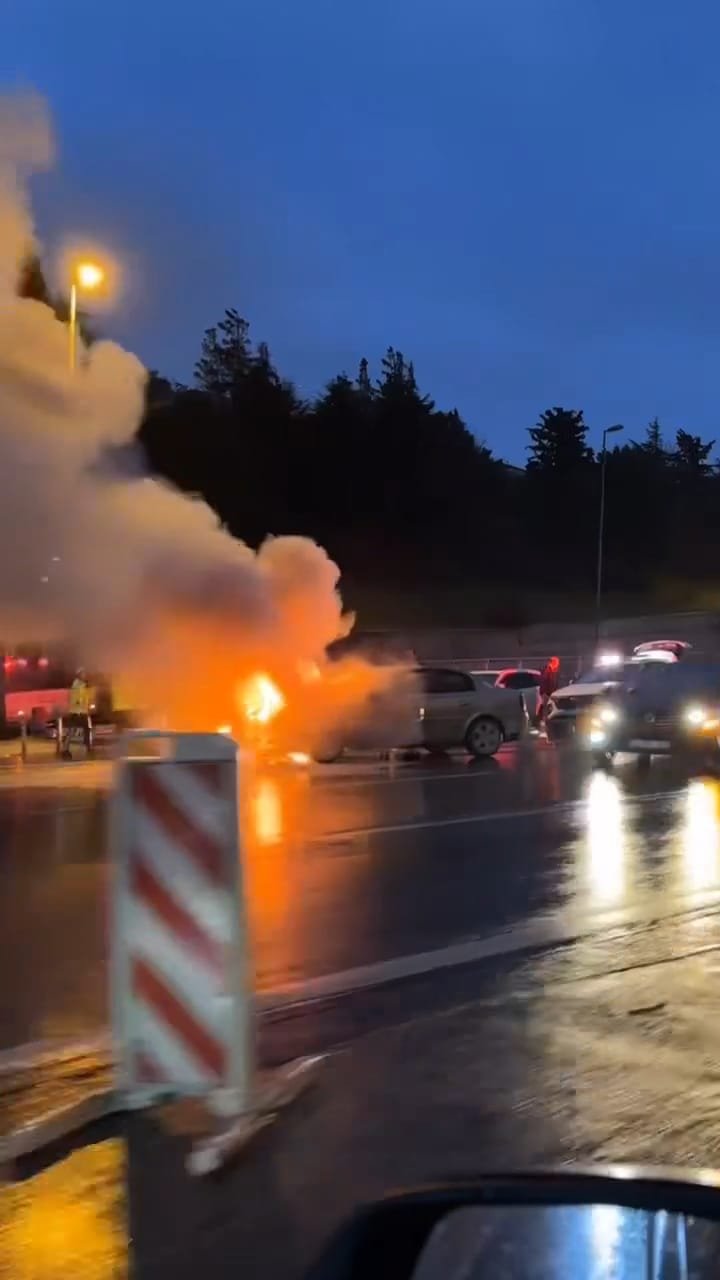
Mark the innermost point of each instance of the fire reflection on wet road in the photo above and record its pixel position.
(604, 1047)
(365, 864)
(69, 1220)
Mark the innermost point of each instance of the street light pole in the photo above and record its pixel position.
(87, 276)
(601, 525)
(73, 326)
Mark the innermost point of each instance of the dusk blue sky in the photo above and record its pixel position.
(521, 195)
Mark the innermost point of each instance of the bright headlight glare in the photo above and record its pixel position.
(608, 715)
(696, 715)
(609, 659)
(597, 737)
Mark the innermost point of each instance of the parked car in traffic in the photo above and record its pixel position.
(662, 650)
(525, 679)
(568, 706)
(439, 708)
(574, 699)
(666, 709)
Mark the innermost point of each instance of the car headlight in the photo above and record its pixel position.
(695, 716)
(608, 715)
(597, 737)
(609, 659)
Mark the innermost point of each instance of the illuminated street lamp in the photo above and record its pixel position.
(601, 522)
(86, 276)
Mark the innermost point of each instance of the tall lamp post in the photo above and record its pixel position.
(601, 523)
(86, 276)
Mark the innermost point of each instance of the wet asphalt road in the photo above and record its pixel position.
(547, 950)
(357, 871)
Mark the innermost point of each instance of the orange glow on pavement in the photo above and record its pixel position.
(68, 1220)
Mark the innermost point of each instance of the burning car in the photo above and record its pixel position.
(438, 708)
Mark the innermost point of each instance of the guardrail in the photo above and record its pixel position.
(533, 662)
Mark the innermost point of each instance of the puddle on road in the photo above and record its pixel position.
(69, 1220)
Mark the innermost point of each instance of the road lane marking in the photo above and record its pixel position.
(350, 833)
(537, 935)
(503, 815)
(358, 780)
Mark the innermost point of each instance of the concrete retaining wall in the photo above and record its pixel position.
(571, 641)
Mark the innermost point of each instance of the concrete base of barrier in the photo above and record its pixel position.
(215, 1140)
(275, 1091)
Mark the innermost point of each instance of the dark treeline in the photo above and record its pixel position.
(399, 490)
(387, 482)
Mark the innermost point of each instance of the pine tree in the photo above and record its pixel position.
(225, 357)
(691, 454)
(363, 379)
(559, 442)
(653, 442)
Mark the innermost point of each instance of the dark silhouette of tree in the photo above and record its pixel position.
(31, 280)
(32, 284)
(225, 356)
(695, 511)
(364, 383)
(400, 491)
(653, 443)
(562, 493)
(559, 442)
(691, 454)
(159, 390)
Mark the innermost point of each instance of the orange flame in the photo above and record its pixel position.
(261, 698)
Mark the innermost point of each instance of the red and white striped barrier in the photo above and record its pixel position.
(181, 981)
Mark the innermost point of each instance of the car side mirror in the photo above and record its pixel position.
(570, 1224)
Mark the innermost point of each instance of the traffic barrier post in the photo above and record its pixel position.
(179, 973)
(182, 999)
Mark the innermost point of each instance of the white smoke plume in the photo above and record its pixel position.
(131, 573)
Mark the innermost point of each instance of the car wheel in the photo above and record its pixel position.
(484, 737)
